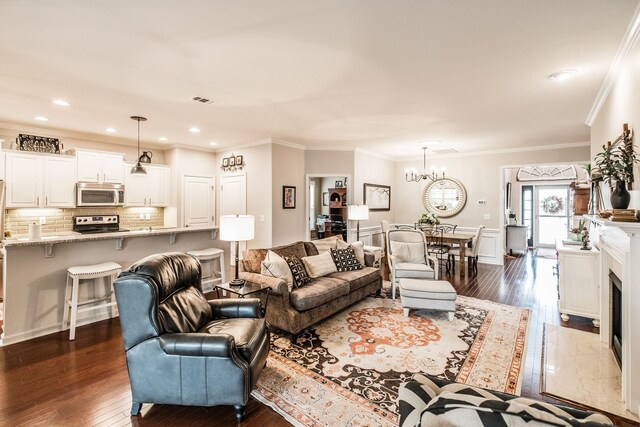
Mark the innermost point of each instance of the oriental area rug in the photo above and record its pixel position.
(346, 370)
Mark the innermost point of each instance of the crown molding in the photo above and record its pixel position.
(288, 144)
(330, 148)
(507, 150)
(628, 41)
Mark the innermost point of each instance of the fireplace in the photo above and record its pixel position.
(616, 316)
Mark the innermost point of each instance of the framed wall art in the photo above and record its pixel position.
(377, 197)
(288, 197)
(325, 198)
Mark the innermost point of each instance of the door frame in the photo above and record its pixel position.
(243, 207)
(307, 201)
(182, 198)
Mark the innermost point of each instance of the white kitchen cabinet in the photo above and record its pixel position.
(151, 189)
(99, 166)
(40, 181)
(579, 273)
(517, 238)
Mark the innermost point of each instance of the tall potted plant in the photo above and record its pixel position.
(615, 163)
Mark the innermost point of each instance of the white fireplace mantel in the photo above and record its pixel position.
(619, 244)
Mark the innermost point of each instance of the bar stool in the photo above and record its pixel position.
(106, 270)
(206, 258)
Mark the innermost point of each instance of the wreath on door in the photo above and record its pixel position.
(552, 204)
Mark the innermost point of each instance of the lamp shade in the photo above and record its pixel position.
(236, 228)
(358, 212)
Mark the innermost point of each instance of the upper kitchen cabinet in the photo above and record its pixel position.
(40, 181)
(100, 166)
(151, 189)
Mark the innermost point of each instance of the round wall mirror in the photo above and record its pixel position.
(445, 197)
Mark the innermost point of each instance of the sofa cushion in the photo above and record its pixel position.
(253, 257)
(413, 271)
(428, 289)
(319, 265)
(358, 249)
(185, 311)
(318, 292)
(277, 269)
(245, 331)
(323, 245)
(299, 273)
(345, 259)
(358, 278)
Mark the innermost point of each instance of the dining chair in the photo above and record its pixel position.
(408, 257)
(447, 228)
(384, 225)
(436, 246)
(405, 227)
(471, 253)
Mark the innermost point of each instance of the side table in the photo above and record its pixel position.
(244, 291)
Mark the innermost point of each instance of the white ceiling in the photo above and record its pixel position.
(380, 75)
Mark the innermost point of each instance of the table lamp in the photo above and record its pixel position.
(236, 228)
(356, 213)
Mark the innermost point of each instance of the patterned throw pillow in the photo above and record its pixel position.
(345, 259)
(300, 276)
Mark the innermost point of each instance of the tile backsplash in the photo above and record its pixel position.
(60, 220)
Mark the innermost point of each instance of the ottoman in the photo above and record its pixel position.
(427, 295)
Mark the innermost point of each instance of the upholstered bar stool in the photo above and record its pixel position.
(106, 271)
(209, 275)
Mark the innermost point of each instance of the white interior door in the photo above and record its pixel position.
(233, 201)
(312, 205)
(198, 200)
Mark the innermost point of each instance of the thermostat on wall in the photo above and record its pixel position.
(481, 202)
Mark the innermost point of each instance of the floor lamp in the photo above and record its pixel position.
(357, 213)
(236, 228)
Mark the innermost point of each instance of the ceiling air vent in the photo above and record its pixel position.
(445, 151)
(202, 100)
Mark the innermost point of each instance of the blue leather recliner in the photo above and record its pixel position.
(182, 349)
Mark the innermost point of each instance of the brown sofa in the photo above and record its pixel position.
(302, 307)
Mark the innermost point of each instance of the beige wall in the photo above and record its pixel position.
(329, 162)
(288, 169)
(373, 170)
(481, 176)
(621, 107)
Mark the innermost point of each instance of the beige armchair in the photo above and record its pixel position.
(408, 257)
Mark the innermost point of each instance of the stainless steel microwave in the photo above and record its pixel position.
(94, 194)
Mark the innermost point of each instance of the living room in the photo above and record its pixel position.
(290, 92)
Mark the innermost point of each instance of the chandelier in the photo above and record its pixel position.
(412, 175)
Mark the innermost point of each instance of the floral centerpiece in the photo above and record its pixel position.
(576, 233)
(429, 218)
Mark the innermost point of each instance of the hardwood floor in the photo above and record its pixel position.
(52, 381)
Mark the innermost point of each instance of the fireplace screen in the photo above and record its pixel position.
(616, 316)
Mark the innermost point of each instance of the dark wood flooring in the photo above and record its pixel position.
(52, 381)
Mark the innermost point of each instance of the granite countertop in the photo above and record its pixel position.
(71, 237)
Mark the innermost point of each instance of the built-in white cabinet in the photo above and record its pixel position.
(579, 282)
(517, 238)
(40, 181)
(152, 189)
(99, 166)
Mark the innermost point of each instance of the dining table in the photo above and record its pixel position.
(462, 239)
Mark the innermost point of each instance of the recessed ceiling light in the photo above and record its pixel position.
(194, 130)
(163, 138)
(61, 102)
(213, 143)
(110, 130)
(563, 75)
(41, 119)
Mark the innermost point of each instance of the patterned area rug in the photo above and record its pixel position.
(347, 369)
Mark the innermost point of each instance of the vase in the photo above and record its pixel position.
(146, 157)
(620, 197)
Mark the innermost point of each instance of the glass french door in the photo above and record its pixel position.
(528, 212)
(551, 214)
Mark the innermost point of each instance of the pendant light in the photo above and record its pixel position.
(138, 169)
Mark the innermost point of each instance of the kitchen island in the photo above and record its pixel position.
(35, 271)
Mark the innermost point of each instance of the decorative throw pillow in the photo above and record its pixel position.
(345, 259)
(300, 276)
(277, 269)
(325, 245)
(358, 248)
(319, 265)
(408, 252)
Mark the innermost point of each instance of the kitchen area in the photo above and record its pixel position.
(78, 208)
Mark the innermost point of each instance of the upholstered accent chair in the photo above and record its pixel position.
(472, 254)
(182, 349)
(407, 251)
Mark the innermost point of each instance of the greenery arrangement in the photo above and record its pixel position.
(616, 161)
(429, 218)
(552, 204)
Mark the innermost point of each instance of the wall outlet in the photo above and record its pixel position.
(147, 215)
(487, 216)
(43, 220)
(481, 202)
(261, 218)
